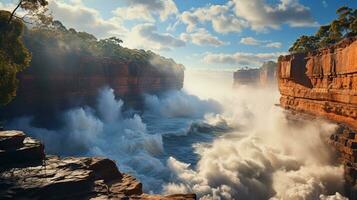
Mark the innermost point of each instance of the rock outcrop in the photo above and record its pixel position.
(27, 173)
(263, 76)
(322, 83)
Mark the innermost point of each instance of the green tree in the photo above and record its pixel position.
(35, 8)
(304, 44)
(344, 26)
(14, 57)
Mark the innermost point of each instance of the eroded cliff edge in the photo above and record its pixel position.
(322, 83)
(68, 68)
(64, 85)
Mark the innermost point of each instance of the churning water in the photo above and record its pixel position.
(210, 139)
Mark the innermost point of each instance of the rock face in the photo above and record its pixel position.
(246, 77)
(267, 74)
(345, 142)
(263, 76)
(51, 85)
(322, 83)
(29, 174)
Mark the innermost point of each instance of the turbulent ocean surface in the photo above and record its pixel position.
(208, 138)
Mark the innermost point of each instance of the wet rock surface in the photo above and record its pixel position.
(26, 173)
(345, 142)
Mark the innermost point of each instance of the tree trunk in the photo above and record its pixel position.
(13, 12)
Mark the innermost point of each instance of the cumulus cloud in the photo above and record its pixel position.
(261, 15)
(147, 10)
(274, 45)
(251, 41)
(202, 37)
(83, 18)
(77, 15)
(222, 18)
(133, 13)
(7, 6)
(146, 36)
(241, 58)
(256, 42)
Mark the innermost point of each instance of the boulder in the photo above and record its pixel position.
(11, 139)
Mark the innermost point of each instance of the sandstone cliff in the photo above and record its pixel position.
(27, 173)
(47, 87)
(322, 83)
(263, 76)
(69, 67)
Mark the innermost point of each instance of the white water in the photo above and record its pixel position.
(218, 142)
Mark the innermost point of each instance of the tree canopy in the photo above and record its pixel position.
(14, 57)
(58, 37)
(344, 26)
(36, 11)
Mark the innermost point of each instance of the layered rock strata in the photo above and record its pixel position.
(345, 142)
(322, 83)
(27, 173)
(50, 86)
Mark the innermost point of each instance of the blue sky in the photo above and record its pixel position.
(216, 34)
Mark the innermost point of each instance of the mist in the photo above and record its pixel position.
(262, 152)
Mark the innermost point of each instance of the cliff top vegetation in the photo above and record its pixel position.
(344, 26)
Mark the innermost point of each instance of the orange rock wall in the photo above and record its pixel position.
(323, 83)
(61, 85)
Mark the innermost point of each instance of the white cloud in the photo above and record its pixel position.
(274, 45)
(241, 58)
(77, 15)
(255, 42)
(202, 37)
(251, 41)
(7, 6)
(133, 13)
(222, 18)
(261, 15)
(147, 10)
(146, 36)
(83, 18)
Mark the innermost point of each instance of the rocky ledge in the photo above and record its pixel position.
(27, 173)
